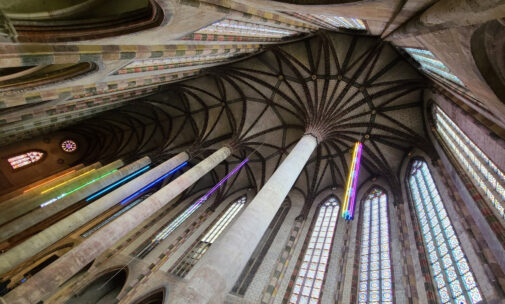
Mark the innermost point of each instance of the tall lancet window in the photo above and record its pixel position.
(484, 173)
(375, 283)
(450, 270)
(240, 28)
(309, 281)
(198, 250)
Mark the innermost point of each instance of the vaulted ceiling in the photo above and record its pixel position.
(347, 88)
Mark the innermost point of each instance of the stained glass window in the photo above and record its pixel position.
(450, 270)
(166, 230)
(375, 283)
(25, 159)
(176, 62)
(199, 249)
(68, 145)
(484, 173)
(331, 22)
(240, 28)
(432, 65)
(309, 280)
(342, 22)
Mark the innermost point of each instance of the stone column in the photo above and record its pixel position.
(55, 232)
(32, 218)
(47, 281)
(219, 268)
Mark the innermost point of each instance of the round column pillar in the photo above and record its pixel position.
(219, 268)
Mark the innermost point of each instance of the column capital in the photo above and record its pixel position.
(317, 134)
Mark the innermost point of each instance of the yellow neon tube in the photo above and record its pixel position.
(48, 181)
(66, 182)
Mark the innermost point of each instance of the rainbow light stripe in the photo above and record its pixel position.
(49, 202)
(159, 179)
(352, 183)
(183, 216)
(119, 182)
(52, 179)
(66, 182)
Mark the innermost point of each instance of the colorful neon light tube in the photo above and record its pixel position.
(119, 182)
(147, 247)
(52, 179)
(66, 182)
(352, 183)
(153, 183)
(75, 189)
(182, 217)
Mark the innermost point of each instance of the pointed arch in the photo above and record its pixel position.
(104, 288)
(155, 297)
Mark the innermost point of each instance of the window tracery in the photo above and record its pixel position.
(240, 28)
(484, 173)
(309, 280)
(25, 159)
(199, 249)
(69, 146)
(331, 22)
(375, 282)
(450, 270)
(342, 22)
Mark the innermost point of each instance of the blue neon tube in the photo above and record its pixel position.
(124, 179)
(154, 182)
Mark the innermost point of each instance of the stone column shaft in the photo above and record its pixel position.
(220, 267)
(32, 218)
(47, 281)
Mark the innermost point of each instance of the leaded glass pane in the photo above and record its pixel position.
(25, 159)
(195, 254)
(309, 281)
(375, 281)
(452, 275)
(485, 175)
(240, 28)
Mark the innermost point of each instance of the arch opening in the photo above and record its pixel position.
(157, 297)
(488, 47)
(103, 290)
(60, 21)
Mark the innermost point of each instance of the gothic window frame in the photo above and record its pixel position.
(200, 246)
(295, 276)
(485, 175)
(359, 247)
(423, 250)
(251, 31)
(33, 163)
